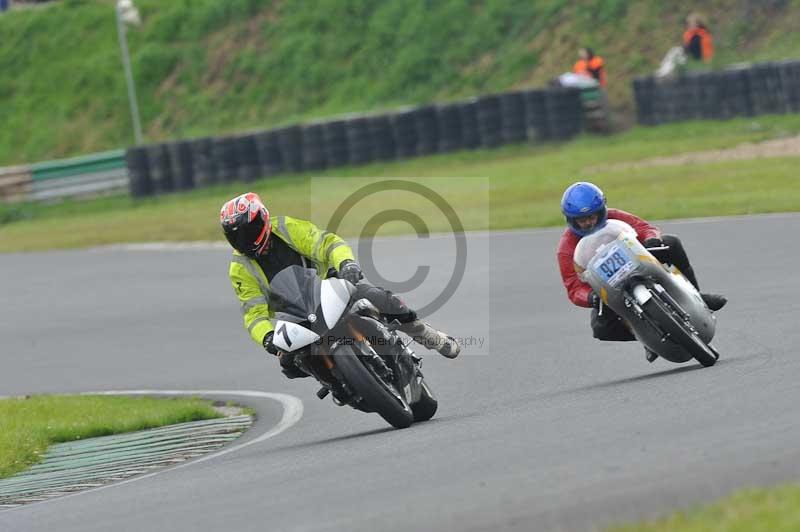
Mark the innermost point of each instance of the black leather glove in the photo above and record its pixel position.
(349, 270)
(594, 300)
(653, 242)
(268, 345)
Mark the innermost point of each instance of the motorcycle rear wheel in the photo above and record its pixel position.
(678, 332)
(371, 388)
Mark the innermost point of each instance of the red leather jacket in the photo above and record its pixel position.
(577, 290)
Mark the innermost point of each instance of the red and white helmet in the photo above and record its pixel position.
(245, 221)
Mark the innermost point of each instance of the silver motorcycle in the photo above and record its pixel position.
(659, 305)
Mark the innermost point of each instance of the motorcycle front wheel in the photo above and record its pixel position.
(376, 393)
(678, 332)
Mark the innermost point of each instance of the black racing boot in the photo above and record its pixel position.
(714, 302)
(425, 335)
(290, 369)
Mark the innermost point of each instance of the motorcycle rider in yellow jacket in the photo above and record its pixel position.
(263, 246)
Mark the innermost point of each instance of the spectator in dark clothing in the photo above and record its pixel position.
(697, 41)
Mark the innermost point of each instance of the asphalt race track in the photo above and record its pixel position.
(543, 428)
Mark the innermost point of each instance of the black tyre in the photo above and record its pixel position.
(659, 312)
(379, 396)
(425, 408)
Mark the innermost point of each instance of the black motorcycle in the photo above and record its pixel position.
(348, 346)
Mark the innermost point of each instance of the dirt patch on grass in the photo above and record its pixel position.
(786, 147)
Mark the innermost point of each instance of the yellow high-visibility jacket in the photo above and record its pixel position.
(304, 243)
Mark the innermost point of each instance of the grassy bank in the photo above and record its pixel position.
(210, 67)
(29, 425)
(524, 188)
(752, 510)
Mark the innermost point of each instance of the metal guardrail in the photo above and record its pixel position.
(87, 175)
(15, 183)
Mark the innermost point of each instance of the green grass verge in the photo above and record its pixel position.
(752, 510)
(205, 67)
(524, 188)
(29, 425)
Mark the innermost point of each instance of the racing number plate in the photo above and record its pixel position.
(613, 264)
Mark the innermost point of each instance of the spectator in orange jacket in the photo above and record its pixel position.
(590, 65)
(697, 41)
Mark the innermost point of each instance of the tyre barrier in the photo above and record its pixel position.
(404, 130)
(790, 79)
(313, 146)
(138, 172)
(270, 160)
(482, 122)
(180, 154)
(449, 118)
(427, 125)
(290, 144)
(470, 133)
(563, 110)
(384, 147)
(512, 117)
(160, 168)
(248, 166)
(489, 121)
(733, 89)
(536, 124)
(750, 90)
(224, 151)
(204, 165)
(359, 142)
(334, 141)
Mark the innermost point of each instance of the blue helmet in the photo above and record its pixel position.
(584, 199)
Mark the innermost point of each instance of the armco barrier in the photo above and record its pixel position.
(742, 90)
(483, 122)
(79, 176)
(15, 183)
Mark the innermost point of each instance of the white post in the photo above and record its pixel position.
(126, 61)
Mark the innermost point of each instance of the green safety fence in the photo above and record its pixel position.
(88, 175)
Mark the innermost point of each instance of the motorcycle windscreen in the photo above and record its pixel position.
(589, 245)
(295, 291)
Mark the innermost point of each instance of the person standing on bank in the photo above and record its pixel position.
(697, 41)
(590, 65)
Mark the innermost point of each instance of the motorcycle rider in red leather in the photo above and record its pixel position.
(584, 207)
